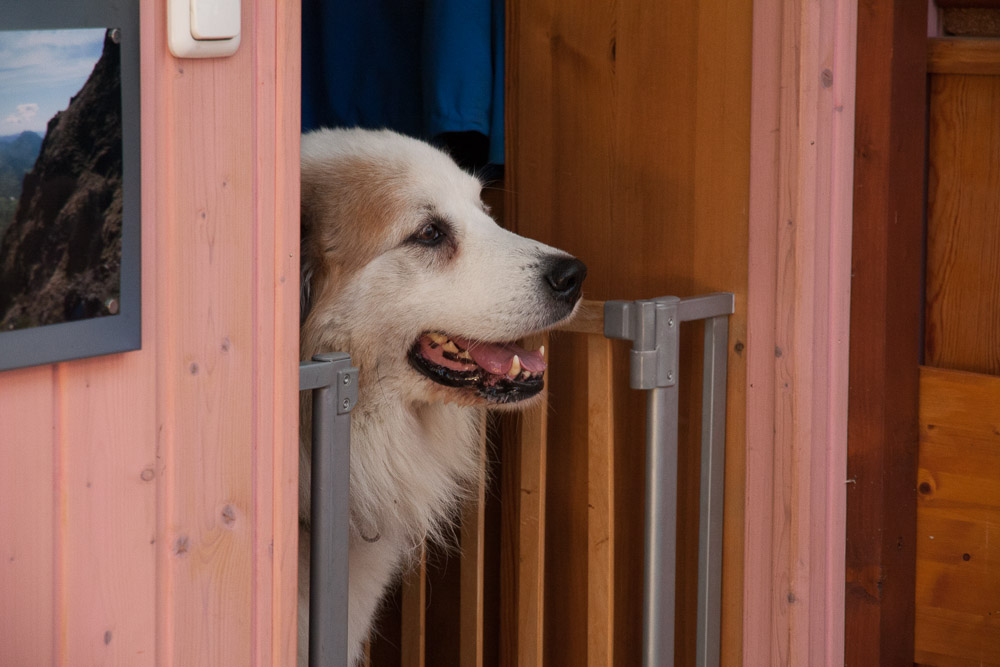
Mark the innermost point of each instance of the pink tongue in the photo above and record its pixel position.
(498, 357)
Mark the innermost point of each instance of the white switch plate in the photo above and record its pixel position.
(213, 19)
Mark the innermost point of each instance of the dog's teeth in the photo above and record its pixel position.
(464, 354)
(515, 367)
(450, 347)
(440, 339)
(541, 351)
(528, 375)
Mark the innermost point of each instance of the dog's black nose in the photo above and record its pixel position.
(565, 276)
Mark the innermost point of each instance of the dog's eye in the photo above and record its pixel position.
(429, 234)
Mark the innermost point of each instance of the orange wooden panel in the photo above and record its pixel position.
(473, 542)
(29, 498)
(601, 505)
(413, 614)
(958, 519)
(589, 318)
(628, 146)
(958, 55)
(531, 525)
(963, 237)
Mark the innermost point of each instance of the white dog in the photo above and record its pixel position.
(404, 269)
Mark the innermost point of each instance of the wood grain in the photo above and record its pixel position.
(589, 318)
(413, 614)
(963, 238)
(531, 518)
(108, 515)
(962, 55)
(473, 542)
(30, 501)
(802, 131)
(601, 504)
(958, 520)
(162, 483)
(885, 326)
(276, 321)
(628, 146)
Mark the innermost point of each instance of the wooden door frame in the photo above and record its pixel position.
(886, 304)
(802, 148)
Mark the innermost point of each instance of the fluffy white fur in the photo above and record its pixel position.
(371, 291)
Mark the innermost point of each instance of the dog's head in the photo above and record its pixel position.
(404, 269)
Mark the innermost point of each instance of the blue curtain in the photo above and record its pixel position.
(424, 68)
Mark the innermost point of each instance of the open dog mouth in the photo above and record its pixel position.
(497, 372)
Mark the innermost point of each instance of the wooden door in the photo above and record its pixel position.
(628, 139)
(148, 500)
(958, 483)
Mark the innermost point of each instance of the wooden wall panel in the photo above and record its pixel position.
(628, 145)
(963, 223)
(29, 498)
(208, 365)
(148, 500)
(958, 520)
(802, 133)
(885, 351)
(107, 522)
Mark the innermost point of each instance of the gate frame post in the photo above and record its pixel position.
(335, 392)
(653, 327)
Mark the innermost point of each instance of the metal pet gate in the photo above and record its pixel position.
(653, 326)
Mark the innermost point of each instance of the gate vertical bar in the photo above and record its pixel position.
(334, 384)
(713, 444)
(661, 527)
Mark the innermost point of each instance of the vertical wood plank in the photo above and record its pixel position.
(211, 365)
(413, 614)
(108, 518)
(282, 552)
(628, 146)
(264, 150)
(963, 237)
(510, 534)
(802, 146)
(885, 333)
(601, 494)
(958, 518)
(531, 539)
(276, 65)
(227, 399)
(160, 476)
(28, 514)
(473, 541)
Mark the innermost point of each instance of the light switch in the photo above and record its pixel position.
(215, 19)
(203, 28)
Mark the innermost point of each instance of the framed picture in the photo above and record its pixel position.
(70, 272)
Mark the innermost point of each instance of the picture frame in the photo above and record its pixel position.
(117, 328)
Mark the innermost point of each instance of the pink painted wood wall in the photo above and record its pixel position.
(802, 157)
(148, 499)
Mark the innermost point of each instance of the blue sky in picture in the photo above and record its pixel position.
(40, 70)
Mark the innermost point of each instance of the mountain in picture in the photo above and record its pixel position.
(60, 256)
(17, 155)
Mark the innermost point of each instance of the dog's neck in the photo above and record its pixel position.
(410, 461)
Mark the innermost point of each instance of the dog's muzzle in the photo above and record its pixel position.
(497, 372)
